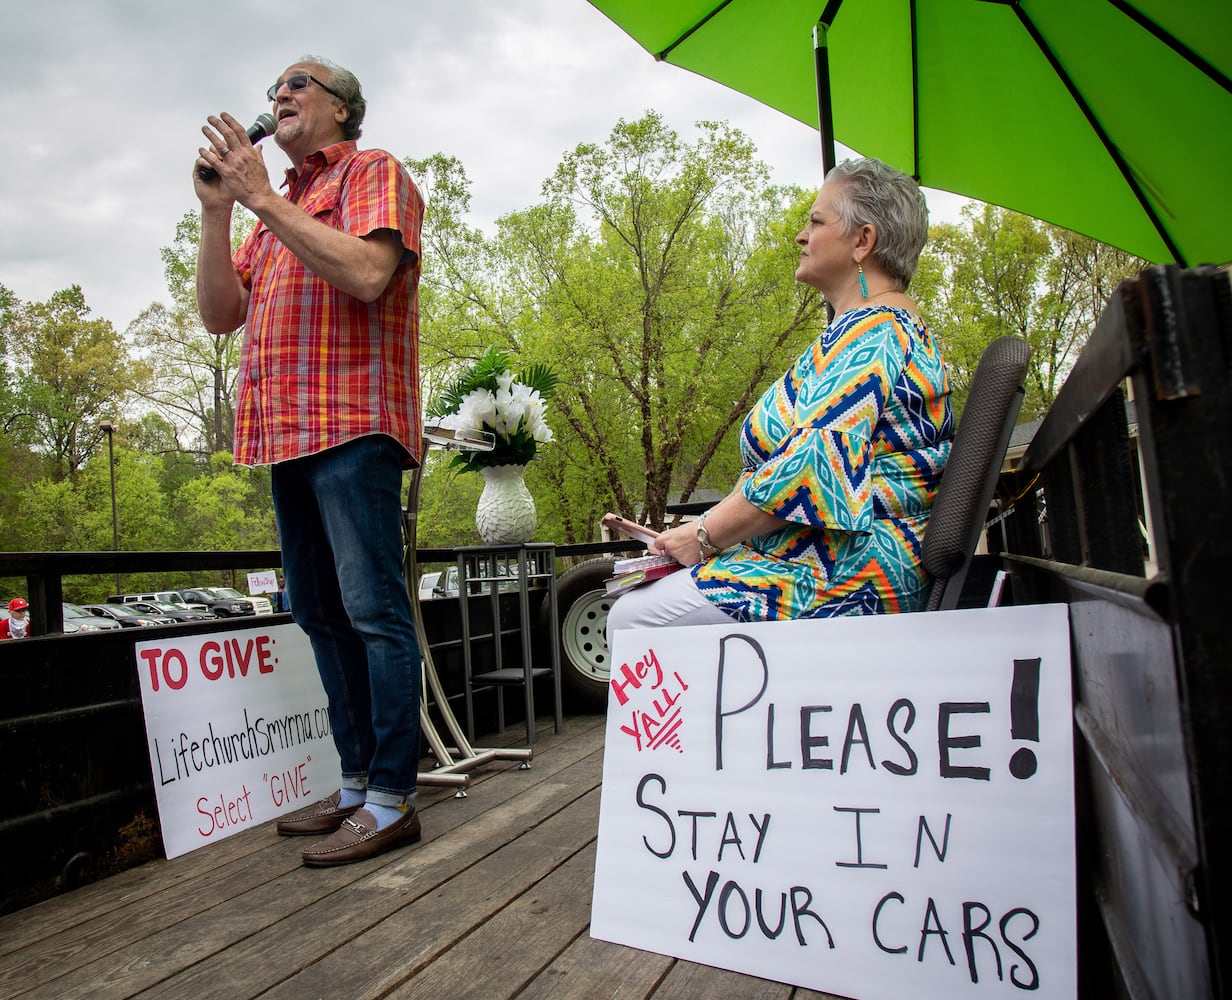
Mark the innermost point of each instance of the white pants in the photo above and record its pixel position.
(671, 600)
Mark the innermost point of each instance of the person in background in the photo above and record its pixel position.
(17, 624)
(326, 288)
(842, 456)
(282, 603)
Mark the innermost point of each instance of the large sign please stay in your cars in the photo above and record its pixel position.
(875, 807)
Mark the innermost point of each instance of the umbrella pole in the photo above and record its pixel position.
(825, 113)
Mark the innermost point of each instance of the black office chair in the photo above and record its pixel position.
(970, 475)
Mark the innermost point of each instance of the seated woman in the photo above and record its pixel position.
(842, 456)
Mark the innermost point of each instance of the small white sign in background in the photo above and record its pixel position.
(262, 583)
(877, 807)
(238, 731)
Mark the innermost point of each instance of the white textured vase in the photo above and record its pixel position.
(506, 512)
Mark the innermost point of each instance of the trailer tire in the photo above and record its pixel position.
(582, 605)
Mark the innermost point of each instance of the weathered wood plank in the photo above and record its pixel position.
(83, 944)
(509, 950)
(133, 944)
(307, 933)
(687, 981)
(391, 952)
(494, 903)
(591, 968)
(253, 940)
(50, 917)
(57, 915)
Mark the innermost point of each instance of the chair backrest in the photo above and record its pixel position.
(970, 475)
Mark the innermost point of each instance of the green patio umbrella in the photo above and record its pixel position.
(1108, 117)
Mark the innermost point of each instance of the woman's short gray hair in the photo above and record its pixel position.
(868, 192)
(347, 86)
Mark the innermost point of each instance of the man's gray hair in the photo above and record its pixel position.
(349, 92)
(868, 192)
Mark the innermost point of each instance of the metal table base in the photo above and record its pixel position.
(455, 760)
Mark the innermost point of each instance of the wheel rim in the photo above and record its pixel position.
(584, 636)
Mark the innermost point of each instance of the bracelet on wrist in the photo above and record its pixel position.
(709, 549)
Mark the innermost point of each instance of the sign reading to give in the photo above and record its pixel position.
(238, 731)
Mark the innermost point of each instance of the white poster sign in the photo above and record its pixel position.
(876, 807)
(238, 731)
(262, 583)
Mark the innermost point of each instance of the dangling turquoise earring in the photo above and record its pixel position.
(863, 283)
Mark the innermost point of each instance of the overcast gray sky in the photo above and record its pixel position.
(106, 99)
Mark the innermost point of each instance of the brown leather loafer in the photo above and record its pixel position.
(358, 839)
(316, 819)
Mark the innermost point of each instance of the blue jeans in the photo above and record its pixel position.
(339, 516)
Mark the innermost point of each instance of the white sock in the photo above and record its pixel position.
(384, 815)
(348, 797)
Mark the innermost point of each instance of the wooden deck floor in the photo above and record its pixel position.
(493, 903)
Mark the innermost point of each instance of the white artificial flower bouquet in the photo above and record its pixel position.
(490, 397)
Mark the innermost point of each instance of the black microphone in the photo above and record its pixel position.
(258, 130)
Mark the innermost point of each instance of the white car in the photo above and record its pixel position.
(260, 605)
(427, 583)
(443, 584)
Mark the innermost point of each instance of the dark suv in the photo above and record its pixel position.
(224, 607)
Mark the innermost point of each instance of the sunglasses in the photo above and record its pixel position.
(297, 83)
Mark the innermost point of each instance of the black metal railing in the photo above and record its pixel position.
(45, 573)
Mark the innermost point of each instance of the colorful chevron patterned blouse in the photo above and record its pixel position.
(847, 448)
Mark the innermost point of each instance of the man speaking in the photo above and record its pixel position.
(326, 287)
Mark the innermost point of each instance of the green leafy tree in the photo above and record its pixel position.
(49, 512)
(1001, 273)
(194, 370)
(75, 515)
(1080, 277)
(8, 303)
(155, 435)
(228, 508)
(657, 279)
(69, 372)
(18, 464)
(462, 308)
(447, 505)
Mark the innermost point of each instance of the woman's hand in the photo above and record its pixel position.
(729, 522)
(680, 543)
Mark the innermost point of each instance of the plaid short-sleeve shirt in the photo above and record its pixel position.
(319, 367)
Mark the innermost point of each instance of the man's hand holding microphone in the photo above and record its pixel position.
(228, 153)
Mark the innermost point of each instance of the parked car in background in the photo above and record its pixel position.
(127, 615)
(427, 586)
(173, 597)
(261, 605)
(445, 583)
(225, 607)
(442, 584)
(178, 612)
(82, 620)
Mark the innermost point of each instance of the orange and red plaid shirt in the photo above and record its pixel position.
(319, 367)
